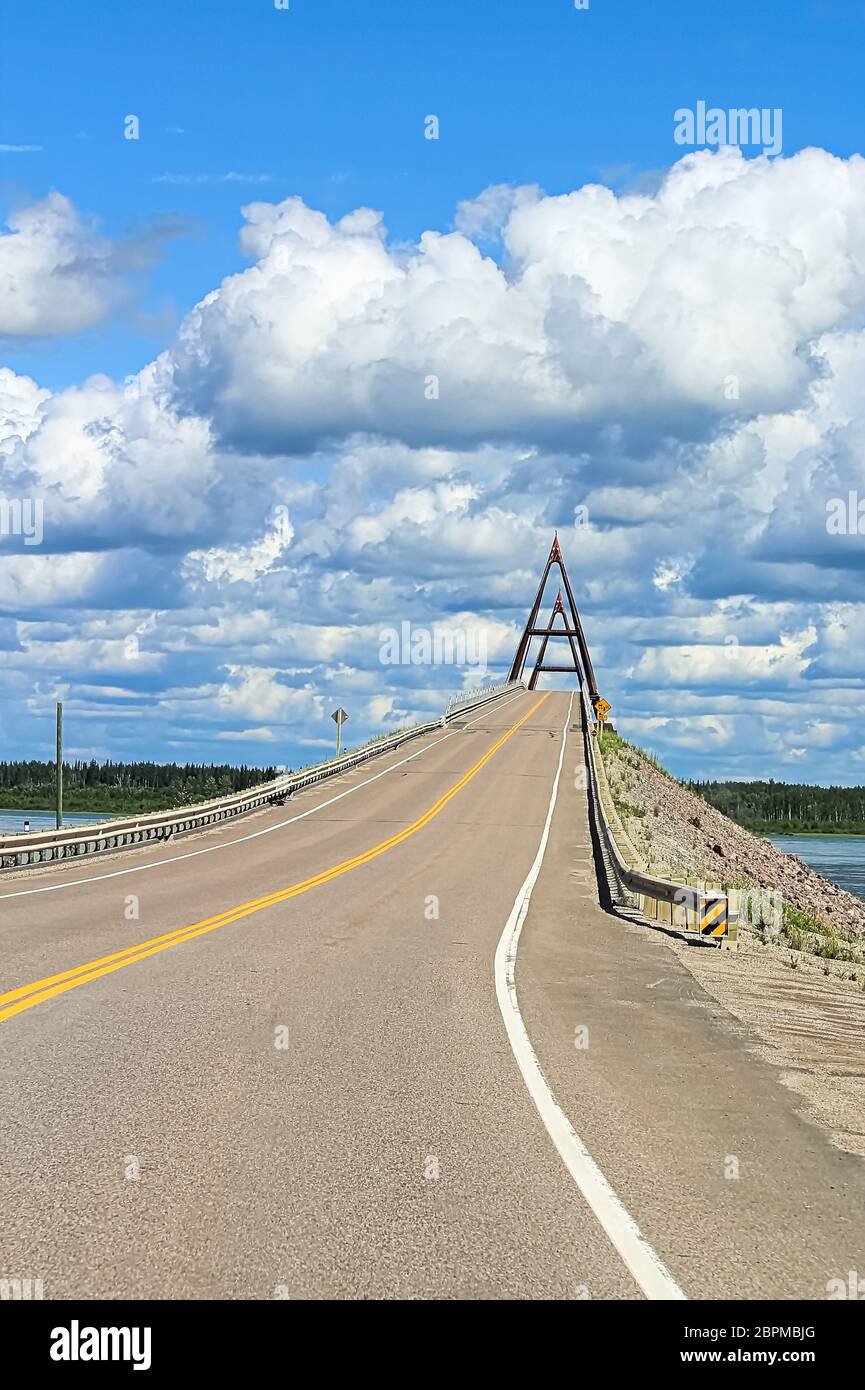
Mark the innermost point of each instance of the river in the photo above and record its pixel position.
(13, 821)
(840, 858)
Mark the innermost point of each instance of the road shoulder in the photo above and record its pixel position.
(739, 1195)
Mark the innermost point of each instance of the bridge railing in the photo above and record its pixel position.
(45, 846)
(681, 906)
(465, 698)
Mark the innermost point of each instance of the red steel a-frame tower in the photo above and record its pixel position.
(581, 662)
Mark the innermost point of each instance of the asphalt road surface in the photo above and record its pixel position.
(279, 1065)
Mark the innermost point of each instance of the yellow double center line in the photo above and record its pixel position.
(28, 996)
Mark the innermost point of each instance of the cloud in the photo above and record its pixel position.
(20, 401)
(485, 217)
(231, 177)
(727, 667)
(20, 149)
(673, 379)
(259, 735)
(260, 691)
(243, 562)
(647, 311)
(58, 275)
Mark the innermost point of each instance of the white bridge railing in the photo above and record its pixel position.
(467, 698)
(46, 846)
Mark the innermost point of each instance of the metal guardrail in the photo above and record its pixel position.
(680, 906)
(48, 846)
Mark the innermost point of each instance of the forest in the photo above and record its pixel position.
(122, 787)
(784, 808)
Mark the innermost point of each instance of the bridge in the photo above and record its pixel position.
(406, 1032)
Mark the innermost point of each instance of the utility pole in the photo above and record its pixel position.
(58, 773)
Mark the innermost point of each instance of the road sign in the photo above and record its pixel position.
(602, 709)
(339, 717)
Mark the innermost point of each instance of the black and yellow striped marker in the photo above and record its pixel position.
(713, 917)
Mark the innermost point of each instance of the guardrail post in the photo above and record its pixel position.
(734, 898)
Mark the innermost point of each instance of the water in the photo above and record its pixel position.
(838, 857)
(11, 822)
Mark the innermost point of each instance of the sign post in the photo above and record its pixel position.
(58, 770)
(339, 717)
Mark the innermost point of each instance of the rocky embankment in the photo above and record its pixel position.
(681, 836)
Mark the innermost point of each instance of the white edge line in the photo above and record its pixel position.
(648, 1270)
(253, 835)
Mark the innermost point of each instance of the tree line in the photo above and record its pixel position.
(787, 808)
(121, 787)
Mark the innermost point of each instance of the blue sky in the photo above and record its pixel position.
(325, 99)
(170, 506)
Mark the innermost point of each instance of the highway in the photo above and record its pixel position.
(288, 1062)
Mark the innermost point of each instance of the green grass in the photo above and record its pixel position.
(609, 742)
(630, 753)
(804, 932)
